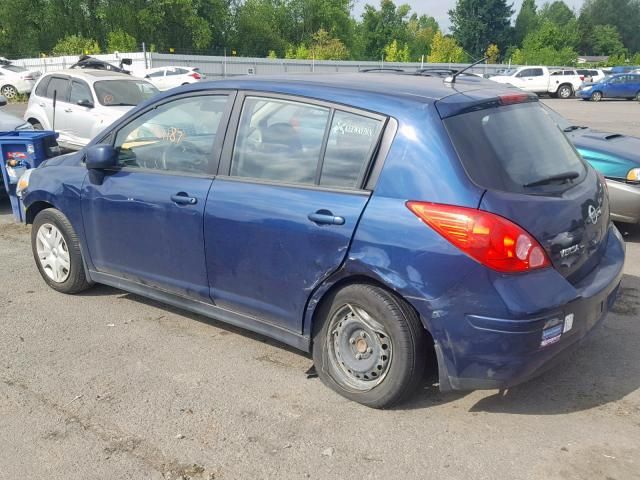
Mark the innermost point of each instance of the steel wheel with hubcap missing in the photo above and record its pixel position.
(369, 345)
(53, 253)
(360, 349)
(9, 91)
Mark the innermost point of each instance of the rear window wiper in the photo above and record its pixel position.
(573, 127)
(561, 177)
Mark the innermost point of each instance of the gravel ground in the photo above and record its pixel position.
(109, 385)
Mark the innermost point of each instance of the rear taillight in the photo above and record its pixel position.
(513, 98)
(195, 75)
(28, 77)
(490, 239)
(581, 78)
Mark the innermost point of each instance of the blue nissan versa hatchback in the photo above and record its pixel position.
(368, 219)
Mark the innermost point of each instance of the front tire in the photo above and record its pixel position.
(596, 96)
(369, 346)
(57, 253)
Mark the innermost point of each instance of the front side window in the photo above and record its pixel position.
(178, 136)
(279, 140)
(80, 92)
(123, 92)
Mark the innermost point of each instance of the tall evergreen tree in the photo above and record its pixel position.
(526, 21)
(478, 23)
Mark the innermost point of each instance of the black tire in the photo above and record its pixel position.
(596, 96)
(404, 340)
(637, 97)
(565, 91)
(76, 280)
(37, 126)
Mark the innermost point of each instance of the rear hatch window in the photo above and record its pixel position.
(534, 177)
(515, 148)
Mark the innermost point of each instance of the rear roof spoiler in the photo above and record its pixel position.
(472, 101)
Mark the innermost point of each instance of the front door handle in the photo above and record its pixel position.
(182, 198)
(68, 110)
(325, 217)
(41, 105)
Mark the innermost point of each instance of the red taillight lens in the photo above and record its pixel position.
(195, 75)
(27, 77)
(490, 239)
(582, 78)
(513, 98)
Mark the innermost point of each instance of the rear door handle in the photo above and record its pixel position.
(68, 110)
(325, 217)
(41, 105)
(182, 198)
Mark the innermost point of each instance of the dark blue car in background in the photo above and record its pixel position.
(370, 220)
(626, 85)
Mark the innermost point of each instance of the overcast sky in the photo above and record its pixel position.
(439, 8)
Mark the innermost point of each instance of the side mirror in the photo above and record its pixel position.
(85, 103)
(127, 61)
(100, 157)
(3, 100)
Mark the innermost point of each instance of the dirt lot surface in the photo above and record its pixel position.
(108, 385)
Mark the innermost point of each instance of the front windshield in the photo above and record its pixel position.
(113, 93)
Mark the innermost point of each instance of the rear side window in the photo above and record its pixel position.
(59, 85)
(506, 148)
(351, 142)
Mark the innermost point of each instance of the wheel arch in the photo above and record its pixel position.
(325, 291)
(35, 208)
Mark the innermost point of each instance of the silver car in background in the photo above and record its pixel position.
(87, 102)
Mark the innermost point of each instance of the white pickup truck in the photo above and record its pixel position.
(540, 80)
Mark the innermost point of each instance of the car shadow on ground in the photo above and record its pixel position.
(604, 369)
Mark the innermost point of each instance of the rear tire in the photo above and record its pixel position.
(37, 126)
(369, 346)
(637, 97)
(57, 253)
(596, 96)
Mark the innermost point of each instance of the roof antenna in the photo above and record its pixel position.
(452, 79)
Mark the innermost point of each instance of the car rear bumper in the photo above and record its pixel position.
(496, 353)
(624, 200)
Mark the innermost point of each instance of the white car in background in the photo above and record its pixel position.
(561, 83)
(87, 101)
(15, 80)
(165, 78)
(591, 75)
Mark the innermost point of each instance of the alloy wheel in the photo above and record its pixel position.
(9, 91)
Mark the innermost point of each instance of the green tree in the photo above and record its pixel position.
(421, 31)
(605, 40)
(557, 12)
(526, 21)
(76, 45)
(622, 14)
(492, 53)
(477, 24)
(445, 50)
(272, 55)
(393, 53)
(549, 45)
(121, 41)
(381, 27)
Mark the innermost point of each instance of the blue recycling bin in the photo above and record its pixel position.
(20, 151)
